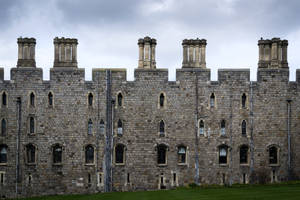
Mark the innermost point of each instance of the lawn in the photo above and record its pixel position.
(262, 192)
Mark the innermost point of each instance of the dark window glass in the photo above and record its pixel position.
(50, 99)
(212, 100)
(3, 154)
(119, 153)
(4, 99)
(32, 98)
(31, 125)
(30, 151)
(244, 99)
(223, 155)
(90, 99)
(89, 154)
(243, 155)
(201, 127)
(90, 127)
(3, 127)
(102, 127)
(181, 154)
(244, 128)
(273, 154)
(161, 154)
(162, 127)
(161, 100)
(120, 127)
(120, 99)
(57, 154)
(223, 127)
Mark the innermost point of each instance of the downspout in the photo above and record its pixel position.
(19, 118)
(230, 136)
(289, 137)
(251, 131)
(98, 138)
(196, 133)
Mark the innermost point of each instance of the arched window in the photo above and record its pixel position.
(244, 154)
(119, 154)
(181, 154)
(89, 154)
(4, 99)
(161, 154)
(120, 127)
(212, 100)
(32, 99)
(90, 99)
(102, 127)
(161, 100)
(201, 127)
(30, 153)
(3, 153)
(31, 125)
(244, 128)
(120, 99)
(50, 99)
(273, 155)
(244, 99)
(223, 154)
(3, 127)
(162, 128)
(57, 154)
(90, 127)
(223, 127)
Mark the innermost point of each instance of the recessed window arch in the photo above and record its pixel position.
(162, 128)
(181, 153)
(57, 154)
(120, 127)
(31, 125)
(162, 100)
(90, 99)
(120, 154)
(201, 127)
(3, 127)
(162, 154)
(102, 127)
(30, 154)
(90, 127)
(273, 155)
(212, 100)
(223, 127)
(244, 128)
(120, 99)
(4, 99)
(50, 99)
(244, 149)
(223, 154)
(244, 100)
(32, 99)
(89, 154)
(3, 153)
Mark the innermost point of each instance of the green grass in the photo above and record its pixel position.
(237, 192)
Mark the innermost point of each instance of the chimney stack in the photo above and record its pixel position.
(26, 52)
(65, 52)
(194, 52)
(147, 53)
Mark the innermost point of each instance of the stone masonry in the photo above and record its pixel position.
(150, 133)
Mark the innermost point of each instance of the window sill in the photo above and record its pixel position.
(182, 164)
(57, 164)
(244, 164)
(89, 164)
(31, 134)
(119, 164)
(3, 164)
(162, 165)
(274, 165)
(224, 165)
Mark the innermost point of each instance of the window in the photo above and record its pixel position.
(223, 127)
(273, 155)
(212, 100)
(120, 127)
(32, 99)
(89, 154)
(128, 178)
(3, 127)
(2, 178)
(102, 127)
(3, 154)
(4, 99)
(30, 154)
(161, 128)
(244, 99)
(119, 154)
(244, 154)
(31, 125)
(90, 99)
(120, 99)
(99, 179)
(161, 100)
(223, 154)
(201, 127)
(181, 154)
(50, 99)
(89, 179)
(57, 154)
(244, 128)
(161, 154)
(90, 127)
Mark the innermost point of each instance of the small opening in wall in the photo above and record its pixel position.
(89, 179)
(244, 178)
(128, 178)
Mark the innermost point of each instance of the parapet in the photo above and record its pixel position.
(147, 53)
(1, 74)
(65, 52)
(194, 53)
(272, 53)
(233, 75)
(26, 52)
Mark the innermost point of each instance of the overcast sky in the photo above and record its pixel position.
(108, 30)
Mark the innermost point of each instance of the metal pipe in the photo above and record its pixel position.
(19, 112)
(251, 131)
(196, 132)
(289, 137)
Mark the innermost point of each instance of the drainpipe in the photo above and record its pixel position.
(231, 147)
(19, 112)
(196, 134)
(289, 137)
(251, 131)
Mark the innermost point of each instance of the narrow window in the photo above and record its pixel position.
(32, 99)
(3, 127)
(244, 99)
(223, 127)
(273, 176)
(89, 154)
(120, 99)
(244, 178)
(212, 100)
(161, 154)
(57, 154)
(174, 178)
(89, 179)
(99, 179)
(162, 128)
(128, 178)
(29, 179)
(4, 99)
(223, 155)
(90, 99)
(90, 127)
(2, 178)
(31, 125)
(161, 100)
(120, 127)
(244, 154)
(273, 155)
(30, 153)
(244, 128)
(201, 127)
(50, 99)
(162, 184)
(102, 127)
(3, 154)
(119, 155)
(181, 154)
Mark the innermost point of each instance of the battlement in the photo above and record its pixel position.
(26, 52)
(65, 52)
(194, 53)
(147, 53)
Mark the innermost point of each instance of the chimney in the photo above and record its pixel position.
(147, 53)
(26, 52)
(65, 52)
(194, 52)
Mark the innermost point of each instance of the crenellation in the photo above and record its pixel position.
(234, 75)
(1, 74)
